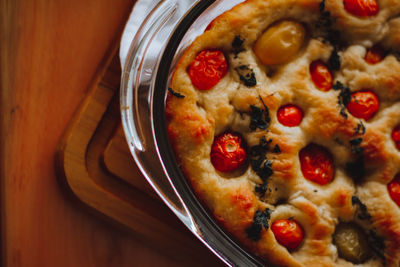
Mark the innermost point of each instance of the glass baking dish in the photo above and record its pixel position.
(160, 41)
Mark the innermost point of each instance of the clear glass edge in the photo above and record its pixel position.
(133, 129)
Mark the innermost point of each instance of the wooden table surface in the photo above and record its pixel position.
(50, 50)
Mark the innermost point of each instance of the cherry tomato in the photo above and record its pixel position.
(290, 115)
(316, 164)
(362, 8)
(207, 69)
(396, 136)
(288, 233)
(210, 25)
(394, 189)
(321, 75)
(374, 55)
(363, 104)
(228, 152)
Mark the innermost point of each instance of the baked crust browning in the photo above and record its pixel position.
(271, 186)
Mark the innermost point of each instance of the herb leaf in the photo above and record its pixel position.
(277, 149)
(325, 23)
(260, 219)
(261, 149)
(265, 170)
(246, 75)
(258, 160)
(330, 35)
(237, 45)
(261, 165)
(344, 97)
(259, 118)
(360, 128)
(355, 145)
(362, 211)
(334, 60)
(261, 189)
(237, 42)
(176, 94)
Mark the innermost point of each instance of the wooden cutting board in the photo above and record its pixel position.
(95, 166)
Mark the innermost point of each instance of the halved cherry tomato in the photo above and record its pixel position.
(290, 115)
(363, 104)
(210, 25)
(207, 69)
(361, 8)
(321, 75)
(396, 136)
(288, 233)
(374, 55)
(394, 189)
(316, 164)
(228, 152)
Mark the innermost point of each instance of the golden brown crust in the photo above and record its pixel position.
(194, 120)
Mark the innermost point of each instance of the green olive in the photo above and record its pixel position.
(352, 243)
(280, 43)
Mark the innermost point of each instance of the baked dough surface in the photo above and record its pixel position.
(194, 121)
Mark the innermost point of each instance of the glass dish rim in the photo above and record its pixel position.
(184, 204)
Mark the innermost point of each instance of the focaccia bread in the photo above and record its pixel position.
(284, 116)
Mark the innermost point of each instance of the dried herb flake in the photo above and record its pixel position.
(260, 220)
(360, 128)
(325, 23)
(237, 42)
(261, 149)
(344, 97)
(277, 149)
(259, 118)
(237, 45)
(176, 94)
(261, 189)
(334, 60)
(355, 145)
(362, 211)
(263, 167)
(258, 159)
(246, 75)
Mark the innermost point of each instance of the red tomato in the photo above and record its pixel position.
(228, 153)
(210, 25)
(207, 69)
(374, 55)
(321, 75)
(363, 104)
(288, 233)
(316, 164)
(361, 8)
(396, 136)
(394, 189)
(290, 115)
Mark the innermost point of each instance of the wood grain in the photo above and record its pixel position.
(49, 54)
(87, 149)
